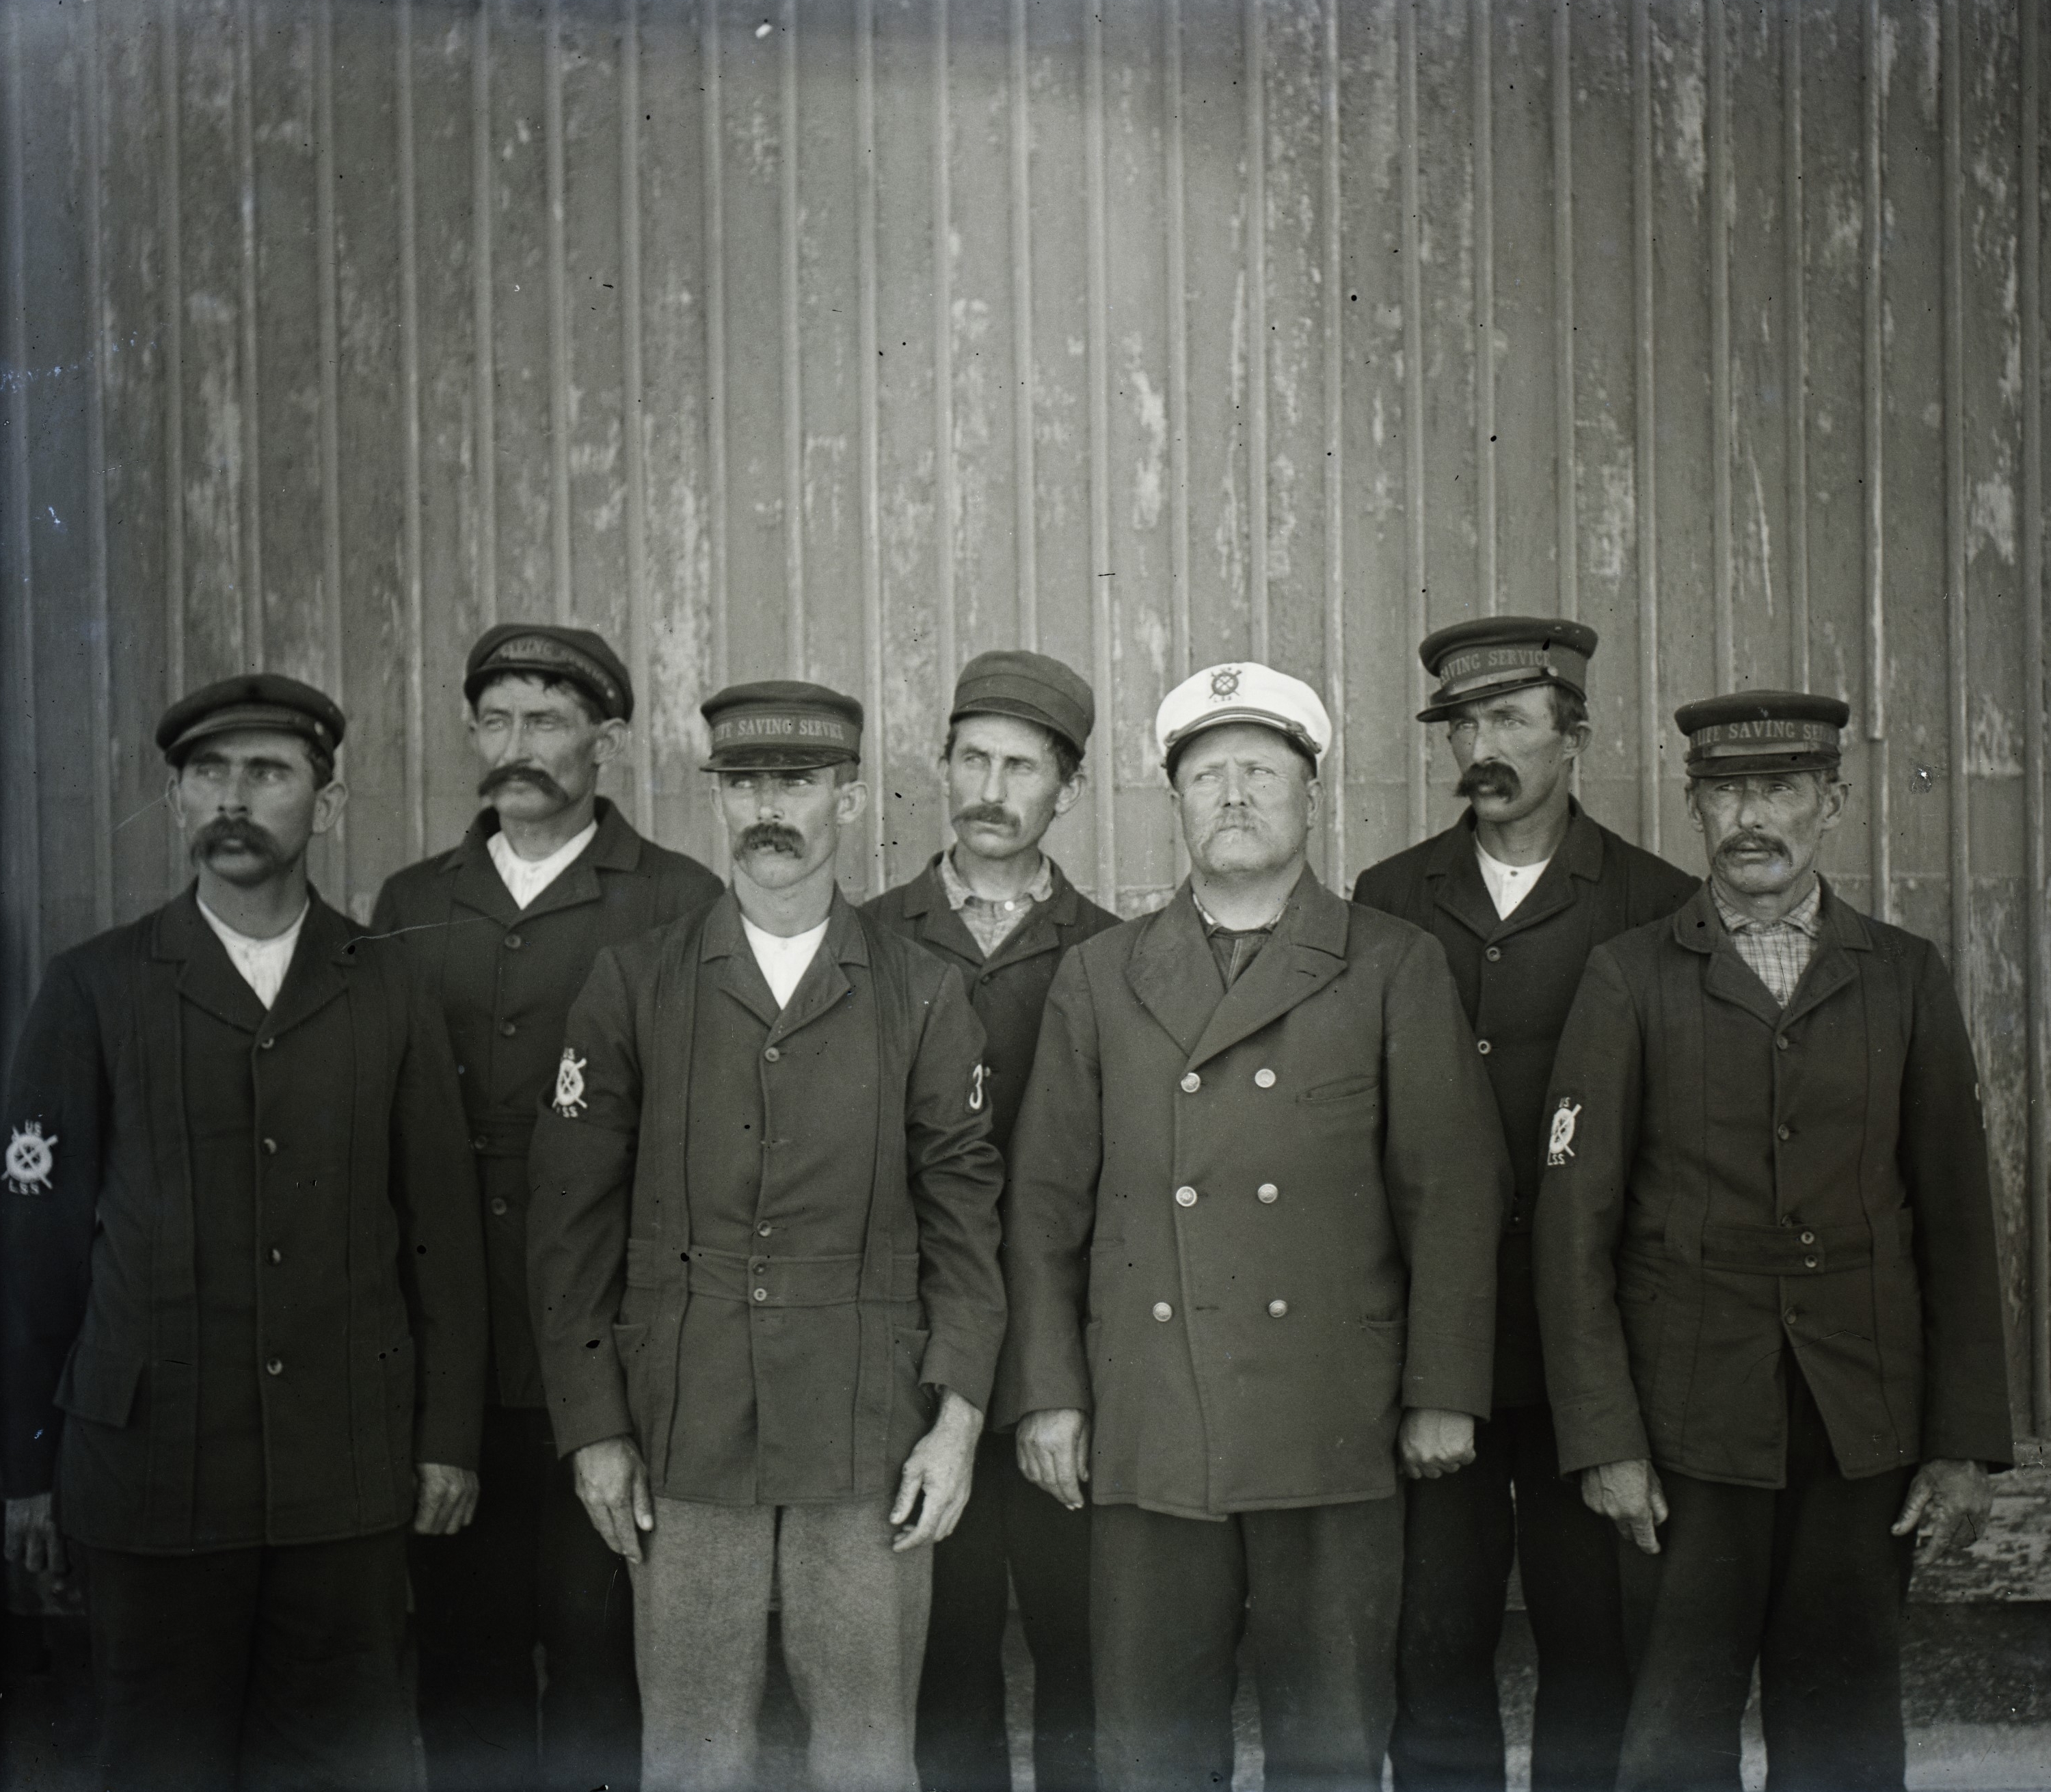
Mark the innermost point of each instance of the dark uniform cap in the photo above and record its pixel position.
(1751, 731)
(1030, 686)
(1494, 654)
(548, 650)
(781, 724)
(255, 700)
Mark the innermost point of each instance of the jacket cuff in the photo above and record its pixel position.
(1594, 1429)
(1994, 1445)
(967, 1368)
(1041, 1387)
(591, 1419)
(1445, 1384)
(441, 1437)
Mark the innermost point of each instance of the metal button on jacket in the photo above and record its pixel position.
(277, 1256)
(1186, 1195)
(1808, 1238)
(1278, 1310)
(510, 1029)
(1483, 1047)
(1494, 955)
(1268, 1191)
(275, 1366)
(762, 1293)
(1191, 1082)
(271, 1147)
(265, 1044)
(771, 1053)
(1808, 1262)
(1263, 1078)
(1163, 1312)
(512, 943)
(764, 1229)
(498, 1204)
(1784, 1132)
(1782, 1042)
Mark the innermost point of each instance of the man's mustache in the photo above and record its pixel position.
(1749, 840)
(770, 837)
(496, 779)
(226, 831)
(1489, 778)
(991, 815)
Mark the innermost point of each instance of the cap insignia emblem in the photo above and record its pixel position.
(1560, 1146)
(569, 1084)
(1224, 682)
(30, 1159)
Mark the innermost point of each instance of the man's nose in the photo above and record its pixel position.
(993, 784)
(768, 802)
(1236, 786)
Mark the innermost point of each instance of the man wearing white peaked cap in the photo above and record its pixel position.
(1250, 1255)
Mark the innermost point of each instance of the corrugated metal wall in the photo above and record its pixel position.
(850, 338)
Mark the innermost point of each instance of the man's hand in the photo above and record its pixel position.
(1628, 1494)
(32, 1538)
(941, 1466)
(1053, 1452)
(1949, 1500)
(1431, 1442)
(445, 1499)
(613, 1481)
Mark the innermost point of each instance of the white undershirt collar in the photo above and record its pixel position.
(525, 879)
(262, 962)
(1508, 885)
(783, 957)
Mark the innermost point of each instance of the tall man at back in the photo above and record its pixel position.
(1767, 1278)
(1250, 1234)
(1518, 892)
(1002, 912)
(242, 1285)
(501, 932)
(764, 1254)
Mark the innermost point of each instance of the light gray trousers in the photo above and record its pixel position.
(853, 1630)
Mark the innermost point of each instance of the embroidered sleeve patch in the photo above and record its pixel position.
(569, 1084)
(976, 1090)
(30, 1159)
(1560, 1144)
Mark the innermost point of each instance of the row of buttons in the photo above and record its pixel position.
(1263, 1078)
(1276, 1310)
(1186, 1197)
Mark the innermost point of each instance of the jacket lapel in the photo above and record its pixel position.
(615, 847)
(1173, 973)
(825, 982)
(315, 977)
(1700, 928)
(477, 885)
(207, 976)
(1455, 877)
(1041, 930)
(740, 976)
(939, 927)
(1581, 855)
(1308, 949)
(1841, 931)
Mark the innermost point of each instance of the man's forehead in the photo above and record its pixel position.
(1239, 740)
(247, 746)
(525, 690)
(1009, 734)
(1531, 700)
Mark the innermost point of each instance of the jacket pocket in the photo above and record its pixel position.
(1343, 1089)
(99, 1385)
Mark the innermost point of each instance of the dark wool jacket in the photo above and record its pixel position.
(504, 979)
(1727, 1182)
(1244, 1228)
(1517, 976)
(758, 1237)
(1009, 989)
(350, 1321)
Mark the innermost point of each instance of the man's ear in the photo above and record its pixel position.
(850, 800)
(1578, 737)
(329, 804)
(1071, 793)
(1836, 794)
(614, 738)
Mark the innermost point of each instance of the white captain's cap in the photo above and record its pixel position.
(1242, 691)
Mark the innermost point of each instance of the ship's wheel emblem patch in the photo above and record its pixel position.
(1560, 1146)
(30, 1159)
(1224, 682)
(569, 1084)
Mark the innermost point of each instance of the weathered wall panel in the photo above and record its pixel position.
(847, 339)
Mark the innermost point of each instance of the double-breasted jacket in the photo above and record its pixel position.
(504, 976)
(760, 1237)
(239, 1258)
(1243, 1227)
(1728, 1181)
(1517, 975)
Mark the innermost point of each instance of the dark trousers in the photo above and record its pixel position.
(1460, 1534)
(1315, 1588)
(262, 1668)
(1012, 1535)
(1805, 1581)
(529, 1568)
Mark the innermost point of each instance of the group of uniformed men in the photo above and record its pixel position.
(586, 1259)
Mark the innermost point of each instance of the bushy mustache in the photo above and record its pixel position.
(770, 837)
(234, 830)
(993, 814)
(1752, 841)
(1489, 778)
(496, 780)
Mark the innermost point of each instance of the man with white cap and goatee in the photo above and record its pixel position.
(1250, 1239)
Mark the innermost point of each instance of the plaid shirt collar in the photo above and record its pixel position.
(960, 896)
(1805, 917)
